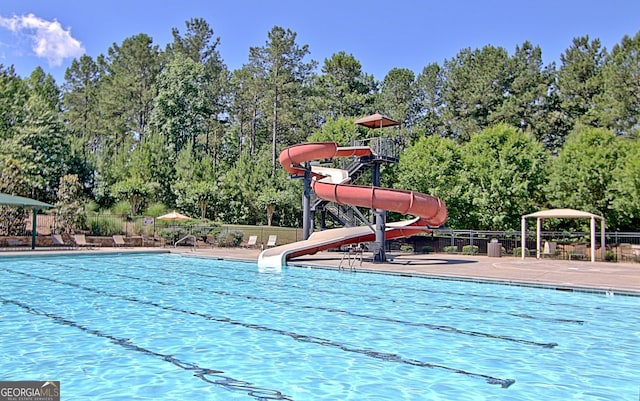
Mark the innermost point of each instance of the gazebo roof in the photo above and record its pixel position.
(563, 214)
(377, 121)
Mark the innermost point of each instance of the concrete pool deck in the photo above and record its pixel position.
(618, 278)
(621, 278)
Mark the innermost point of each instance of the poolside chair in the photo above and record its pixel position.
(118, 240)
(626, 252)
(549, 249)
(579, 252)
(57, 240)
(16, 243)
(253, 239)
(272, 241)
(81, 241)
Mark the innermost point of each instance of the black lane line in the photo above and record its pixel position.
(307, 289)
(208, 375)
(427, 291)
(377, 285)
(390, 357)
(448, 329)
(466, 309)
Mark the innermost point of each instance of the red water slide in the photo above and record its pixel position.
(430, 209)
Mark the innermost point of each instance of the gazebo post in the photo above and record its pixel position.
(603, 249)
(538, 229)
(593, 239)
(523, 234)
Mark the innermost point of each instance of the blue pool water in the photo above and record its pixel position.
(150, 327)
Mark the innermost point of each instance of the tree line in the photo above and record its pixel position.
(140, 129)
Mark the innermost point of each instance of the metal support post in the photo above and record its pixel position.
(306, 203)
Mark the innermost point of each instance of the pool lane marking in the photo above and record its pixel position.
(428, 291)
(436, 327)
(519, 315)
(390, 357)
(307, 289)
(204, 374)
(444, 328)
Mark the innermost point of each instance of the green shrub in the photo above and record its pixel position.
(229, 238)
(450, 249)
(105, 226)
(202, 231)
(518, 251)
(427, 249)
(156, 209)
(610, 256)
(469, 249)
(406, 248)
(139, 228)
(122, 208)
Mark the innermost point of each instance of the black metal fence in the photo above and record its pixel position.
(441, 240)
(474, 241)
(106, 225)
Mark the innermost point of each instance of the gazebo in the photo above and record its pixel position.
(28, 203)
(565, 214)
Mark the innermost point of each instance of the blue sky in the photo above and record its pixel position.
(380, 34)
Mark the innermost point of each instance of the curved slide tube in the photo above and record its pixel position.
(330, 185)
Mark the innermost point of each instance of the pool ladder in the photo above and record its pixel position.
(195, 241)
(352, 255)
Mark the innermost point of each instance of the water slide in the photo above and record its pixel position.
(333, 185)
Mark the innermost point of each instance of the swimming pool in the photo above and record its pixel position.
(134, 327)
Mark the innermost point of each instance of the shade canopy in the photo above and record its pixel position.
(174, 216)
(28, 203)
(565, 214)
(377, 121)
(21, 201)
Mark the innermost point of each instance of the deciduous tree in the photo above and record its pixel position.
(582, 174)
(502, 177)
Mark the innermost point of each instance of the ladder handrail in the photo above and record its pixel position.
(184, 238)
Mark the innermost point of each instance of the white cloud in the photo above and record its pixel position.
(49, 40)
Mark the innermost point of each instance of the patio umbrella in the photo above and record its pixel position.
(174, 216)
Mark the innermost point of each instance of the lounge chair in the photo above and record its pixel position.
(629, 252)
(118, 240)
(272, 240)
(253, 239)
(211, 240)
(16, 243)
(549, 249)
(81, 241)
(579, 252)
(57, 240)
